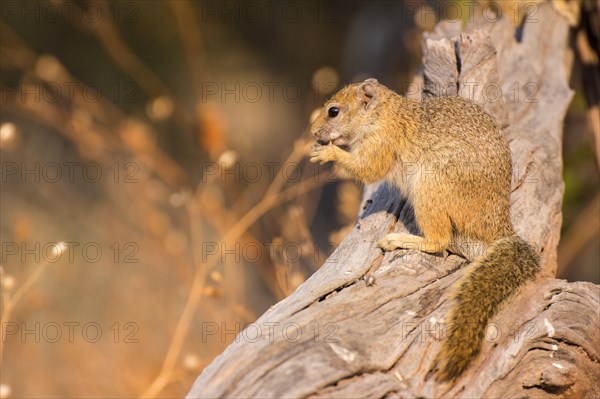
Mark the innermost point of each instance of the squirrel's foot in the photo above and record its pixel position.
(393, 241)
(323, 153)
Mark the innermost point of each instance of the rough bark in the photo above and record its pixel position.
(337, 336)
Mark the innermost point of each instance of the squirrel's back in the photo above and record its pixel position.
(465, 126)
(464, 168)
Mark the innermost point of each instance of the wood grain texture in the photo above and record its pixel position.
(336, 336)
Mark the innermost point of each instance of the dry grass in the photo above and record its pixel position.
(149, 209)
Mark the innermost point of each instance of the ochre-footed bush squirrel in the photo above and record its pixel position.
(451, 161)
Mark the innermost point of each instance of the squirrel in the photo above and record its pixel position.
(453, 164)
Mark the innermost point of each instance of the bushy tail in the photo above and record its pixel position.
(508, 264)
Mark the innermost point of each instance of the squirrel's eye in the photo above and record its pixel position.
(333, 112)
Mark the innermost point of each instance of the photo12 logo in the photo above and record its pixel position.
(68, 251)
(69, 91)
(270, 12)
(256, 252)
(69, 332)
(51, 12)
(271, 332)
(69, 172)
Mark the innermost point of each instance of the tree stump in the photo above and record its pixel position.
(369, 324)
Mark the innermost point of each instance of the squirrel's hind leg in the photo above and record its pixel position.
(437, 232)
(394, 241)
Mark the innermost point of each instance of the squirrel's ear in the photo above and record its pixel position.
(367, 93)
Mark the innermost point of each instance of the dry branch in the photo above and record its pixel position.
(360, 340)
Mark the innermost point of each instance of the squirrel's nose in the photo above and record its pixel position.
(321, 135)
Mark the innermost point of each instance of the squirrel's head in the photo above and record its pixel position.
(348, 115)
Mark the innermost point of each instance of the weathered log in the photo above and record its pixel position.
(369, 324)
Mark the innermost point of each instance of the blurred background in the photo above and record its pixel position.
(155, 194)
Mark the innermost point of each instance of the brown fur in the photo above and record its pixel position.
(453, 164)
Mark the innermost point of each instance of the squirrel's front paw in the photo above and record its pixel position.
(322, 153)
